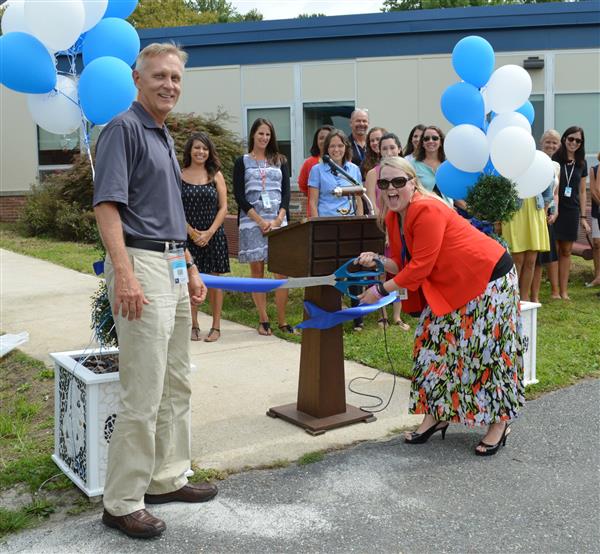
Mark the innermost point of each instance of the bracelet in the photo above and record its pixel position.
(189, 265)
(582, 217)
(376, 292)
(381, 289)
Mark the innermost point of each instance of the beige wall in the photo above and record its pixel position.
(18, 144)
(537, 75)
(208, 90)
(326, 82)
(267, 85)
(577, 72)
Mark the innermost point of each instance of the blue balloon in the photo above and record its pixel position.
(25, 64)
(473, 60)
(120, 8)
(105, 89)
(453, 182)
(528, 111)
(111, 37)
(463, 103)
(489, 169)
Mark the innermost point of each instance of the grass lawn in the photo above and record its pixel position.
(77, 256)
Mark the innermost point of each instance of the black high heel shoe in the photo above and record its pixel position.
(420, 438)
(491, 449)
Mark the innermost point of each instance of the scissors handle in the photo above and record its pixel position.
(343, 272)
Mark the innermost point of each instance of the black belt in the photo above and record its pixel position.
(154, 245)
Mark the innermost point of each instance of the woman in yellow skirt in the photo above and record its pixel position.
(527, 234)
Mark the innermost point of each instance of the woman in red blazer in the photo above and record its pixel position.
(468, 363)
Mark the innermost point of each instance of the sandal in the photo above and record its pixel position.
(264, 329)
(195, 334)
(402, 325)
(287, 328)
(214, 332)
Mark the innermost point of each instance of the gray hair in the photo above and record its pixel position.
(159, 49)
(550, 133)
(359, 110)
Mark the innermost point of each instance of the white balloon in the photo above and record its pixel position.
(57, 111)
(486, 102)
(512, 151)
(13, 19)
(509, 88)
(94, 11)
(56, 23)
(537, 178)
(507, 119)
(466, 148)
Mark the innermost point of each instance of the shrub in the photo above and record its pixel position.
(492, 198)
(61, 206)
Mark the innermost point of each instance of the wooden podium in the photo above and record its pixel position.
(317, 247)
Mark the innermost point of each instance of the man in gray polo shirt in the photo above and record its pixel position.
(137, 201)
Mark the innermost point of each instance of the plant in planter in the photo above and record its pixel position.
(491, 201)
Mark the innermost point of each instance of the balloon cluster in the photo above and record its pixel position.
(492, 117)
(34, 32)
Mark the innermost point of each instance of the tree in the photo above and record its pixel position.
(174, 13)
(405, 5)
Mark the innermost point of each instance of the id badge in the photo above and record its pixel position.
(264, 196)
(177, 267)
(568, 191)
(402, 294)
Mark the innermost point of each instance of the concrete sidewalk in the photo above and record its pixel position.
(238, 378)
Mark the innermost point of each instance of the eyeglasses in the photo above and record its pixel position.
(429, 138)
(396, 182)
(575, 140)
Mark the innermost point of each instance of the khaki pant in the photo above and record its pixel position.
(149, 449)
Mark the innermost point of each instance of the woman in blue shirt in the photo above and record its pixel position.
(322, 182)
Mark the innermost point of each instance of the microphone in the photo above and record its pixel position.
(335, 169)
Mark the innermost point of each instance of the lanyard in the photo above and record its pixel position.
(359, 150)
(568, 176)
(262, 172)
(406, 257)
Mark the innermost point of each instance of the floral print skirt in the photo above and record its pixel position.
(468, 364)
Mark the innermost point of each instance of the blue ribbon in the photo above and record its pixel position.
(321, 319)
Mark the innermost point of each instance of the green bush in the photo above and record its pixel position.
(492, 198)
(61, 206)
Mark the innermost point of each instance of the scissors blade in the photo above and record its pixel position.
(301, 282)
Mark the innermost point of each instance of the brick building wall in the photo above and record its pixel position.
(10, 208)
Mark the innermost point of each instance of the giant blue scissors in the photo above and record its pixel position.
(342, 279)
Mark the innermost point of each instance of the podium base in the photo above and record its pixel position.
(319, 425)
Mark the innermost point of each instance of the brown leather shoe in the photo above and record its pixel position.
(192, 492)
(140, 524)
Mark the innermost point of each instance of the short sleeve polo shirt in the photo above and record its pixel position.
(136, 168)
(322, 178)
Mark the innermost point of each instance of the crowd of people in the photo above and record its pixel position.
(162, 226)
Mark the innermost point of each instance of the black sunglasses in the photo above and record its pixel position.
(396, 182)
(431, 137)
(575, 140)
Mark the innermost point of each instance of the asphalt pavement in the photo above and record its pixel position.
(539, 494)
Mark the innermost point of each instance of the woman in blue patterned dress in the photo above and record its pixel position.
(261, 184)
(204, 195)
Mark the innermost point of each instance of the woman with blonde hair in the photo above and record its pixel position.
(468, 362)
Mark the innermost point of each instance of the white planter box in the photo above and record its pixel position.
(529, 318)
(86, 405)
(85, 409)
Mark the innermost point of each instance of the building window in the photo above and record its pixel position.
(280, 118)
(325, 113)
(57, 149)
(582, 110)
(538, 127)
